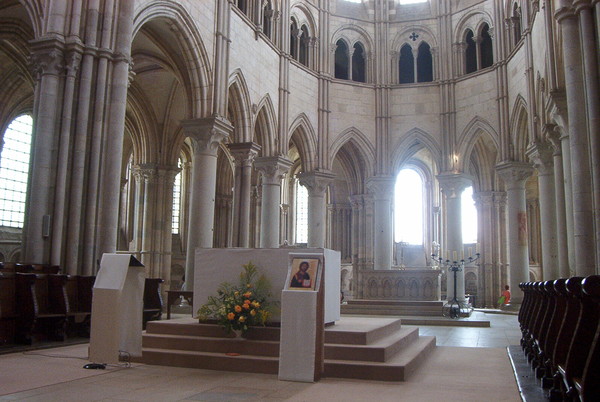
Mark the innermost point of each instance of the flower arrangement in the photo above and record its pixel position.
(237, 307)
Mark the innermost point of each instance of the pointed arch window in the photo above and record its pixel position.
(469, 217)
(470, 53)
(341, 60)
(408, 207)
(14, 171)
(516, 23)
(406, 65)
(358, 63)
(267, 19)
(424, 63)
(176, 200)
(301, 207)
(304, 44)
(294, 32)
(242, 5)
(485, 47)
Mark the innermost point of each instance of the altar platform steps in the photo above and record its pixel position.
(393, 307)
(355, 347)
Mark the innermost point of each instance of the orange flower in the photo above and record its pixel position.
(252, 313)
(230, 316)
(246, 306)
(237, 309)
(247, 295)
(256, 304)
(242, 319)
(249, 285)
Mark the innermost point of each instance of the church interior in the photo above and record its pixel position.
(448, 150)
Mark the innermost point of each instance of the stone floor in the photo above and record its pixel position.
(470, 364)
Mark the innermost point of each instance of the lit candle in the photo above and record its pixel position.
(462, 254)
(454, 255)
(470, 251)
(447, 254)
(477, 248)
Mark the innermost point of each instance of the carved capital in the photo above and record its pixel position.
(207, 133)
(514, 173)
(244, 153)
(272, 168)
(453, 184)
(540, 153)
(47, 61)
(381, 187)
(73, 62)
(316, 182)
(145, 172)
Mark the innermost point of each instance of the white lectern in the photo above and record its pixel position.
(117, 306)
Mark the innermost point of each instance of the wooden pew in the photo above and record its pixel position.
(8, 312)
(588, 385)
(152, 300)
(41, 302)
(79, 296)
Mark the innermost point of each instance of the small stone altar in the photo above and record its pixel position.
(414, 284)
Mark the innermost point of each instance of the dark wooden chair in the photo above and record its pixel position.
(152, 300)
(8, 311)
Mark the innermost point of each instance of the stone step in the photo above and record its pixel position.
(211, 344)
(191, 327)
(398, 368)
(358, 331)
(412, 303)
(392, 310)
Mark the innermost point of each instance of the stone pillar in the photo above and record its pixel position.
(316, 183)
(147, 171)
(486, 237)
(540, 153)
(382, 188)
(583, 219)
(206, 135)
(243, 156)
(561, 212)
(272, 169)
(515, 174)
(452, 185)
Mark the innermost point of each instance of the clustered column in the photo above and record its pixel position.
(515, 174)
(206, 134)
(382, 188)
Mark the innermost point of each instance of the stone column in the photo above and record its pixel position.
(382, 188)
(316, 183)
(147, 171)
(515, 174)
(561, 216)
(243, 156)
(540, 153)
(583, 219)
(272, 169)
(486, 237)
(452, 185)
(206, 135)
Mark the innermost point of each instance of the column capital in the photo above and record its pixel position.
(357, 201)
(484, 198)
(272, 168)
(453, 184)
(514, 173)
(382, 187)
(244, 152)
(145, 171)
(540, 152)
(316, 182)
(207, 133)
(47, 56)
(553, 134)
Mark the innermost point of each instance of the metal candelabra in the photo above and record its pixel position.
(453, 307)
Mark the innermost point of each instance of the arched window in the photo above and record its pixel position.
(301, 206)
(470, 53)
(408, 207)
(304, 42)
(406, 65)
(516, 23)
(176, 201)
(485, 47)
(469, 217)
(14, 171)
(341, 60)
(294, 39)
(242, 5)
(358, 63)
(424, 63)
(267, 19)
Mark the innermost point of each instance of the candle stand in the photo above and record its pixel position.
(454, 307)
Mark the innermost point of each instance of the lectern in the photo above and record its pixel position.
(117, 306)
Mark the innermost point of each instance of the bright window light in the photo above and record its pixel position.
(14, 171)
(176, 203)
(408, 207)
(412, 1)
(469, 217)
(354, 1)
(301, 213)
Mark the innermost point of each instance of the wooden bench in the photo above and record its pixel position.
(152, 300)
(588, 385)
(8, 310)
(174, 295)
(79, 297)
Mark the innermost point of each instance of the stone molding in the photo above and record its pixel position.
(207, 133)
(272, 168)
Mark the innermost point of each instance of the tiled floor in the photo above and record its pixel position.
(478, 370)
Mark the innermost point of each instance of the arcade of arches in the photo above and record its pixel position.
(163, 126)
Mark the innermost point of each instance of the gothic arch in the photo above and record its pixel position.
(141, 124)
(239, 102)
(36, 15)
(424, 34)
(305, 139)
(519, 134)
(351, 34)
(193, 63)
(303, 16)
(415, 140)
(354, 163)
(265, 126)
(476, 128)
(472, 20)
(354, 135)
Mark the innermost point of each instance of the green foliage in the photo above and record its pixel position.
(237, 307)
